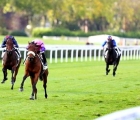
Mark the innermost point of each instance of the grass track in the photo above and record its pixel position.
(76, 91)
(25, 40)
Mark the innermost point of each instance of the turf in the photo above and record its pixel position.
(76, 91)
(25, 40)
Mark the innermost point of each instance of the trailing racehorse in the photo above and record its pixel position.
(10, 61)
(111, 58)
(34, 69)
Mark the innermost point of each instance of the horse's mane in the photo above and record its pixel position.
(9, 43)
(33, 44)
(110, 44)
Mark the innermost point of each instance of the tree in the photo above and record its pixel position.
(124, 13)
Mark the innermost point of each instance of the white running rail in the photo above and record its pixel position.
(70, 53)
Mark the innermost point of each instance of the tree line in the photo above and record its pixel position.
(85, 15)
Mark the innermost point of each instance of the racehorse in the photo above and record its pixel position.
(111, 58)
(10, 61)
(34, 69)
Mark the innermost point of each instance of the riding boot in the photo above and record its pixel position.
(44, 61)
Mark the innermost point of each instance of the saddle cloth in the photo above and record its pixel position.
(105, 53)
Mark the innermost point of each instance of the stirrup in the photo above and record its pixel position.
(18, 57)
(45, 67)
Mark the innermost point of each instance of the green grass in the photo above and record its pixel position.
(76, 91)
(25, 40)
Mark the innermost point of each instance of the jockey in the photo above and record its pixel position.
(42, 51)
(114, 45)
(3, 45)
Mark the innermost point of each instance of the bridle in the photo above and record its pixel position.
(11, 48)
(10, 51)
(31, 55)
(32, 52)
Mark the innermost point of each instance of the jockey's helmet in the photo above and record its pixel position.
(38, 42)
(109, 38)
(9, 37)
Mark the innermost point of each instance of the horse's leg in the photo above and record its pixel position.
(115, 66)
(34, 89)
(116, 62)
(12, 78)
(22, 83)
(32, 94)
(114, 69)
(107, 68)
(4, 74)
(45, 75)
(16, 71)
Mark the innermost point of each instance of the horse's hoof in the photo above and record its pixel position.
(114, 74)
(2, 82)
(46, 96)
(107, 72)
(20, 89)
(31, 98)
(11, 88)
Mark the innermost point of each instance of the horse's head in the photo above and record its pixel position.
(110, 44)
(9, 46)
(109, 47)
(32, 51)
(111, 54)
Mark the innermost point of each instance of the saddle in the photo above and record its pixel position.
(106, 52)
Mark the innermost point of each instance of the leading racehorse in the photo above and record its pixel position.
(111, 58)
(34, 69)
(10, 61)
